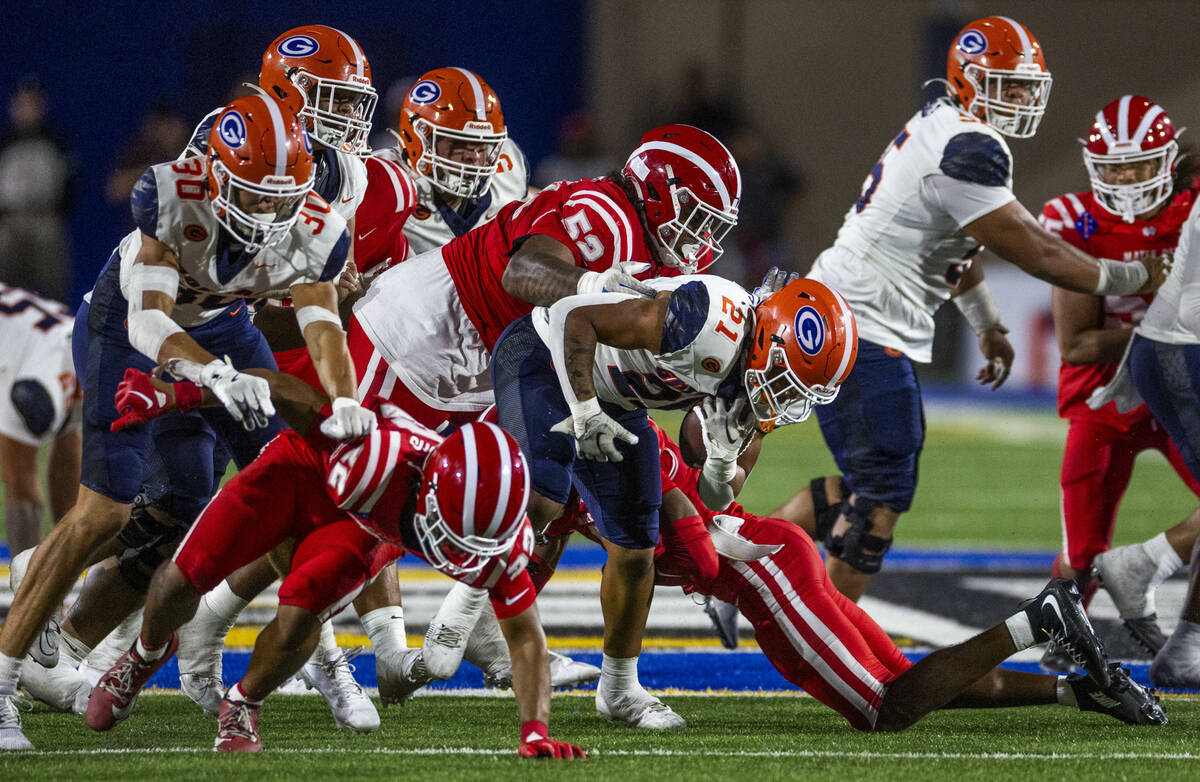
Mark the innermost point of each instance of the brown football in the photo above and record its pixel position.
(691, 440)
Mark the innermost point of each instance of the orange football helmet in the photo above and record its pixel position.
(451, 129)
(991, 55)
(260, 169)
(323, 75)
(804, 344)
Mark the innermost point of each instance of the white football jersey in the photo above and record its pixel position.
(902, 245)
(702, 345)
(36, 334)
(340, 177)
(171, 205)
(1174, 315)
(428, 228)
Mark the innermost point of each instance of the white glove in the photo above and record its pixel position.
(773, 282)
(594, 432)
(246, 397)
(348, 421)
(616, 279)
(727, 429)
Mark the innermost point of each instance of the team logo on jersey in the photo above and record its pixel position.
(810, 330)
(425, 92)
(195, 233)
(1149, 231)
(1086, 225)
(232, 129)
(421, 212)
(297, 46)
(710, 365)
(972, 42)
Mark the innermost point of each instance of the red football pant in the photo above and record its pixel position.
(1097, 465)
(280, 496)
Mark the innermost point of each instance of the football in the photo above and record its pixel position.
(691, 440)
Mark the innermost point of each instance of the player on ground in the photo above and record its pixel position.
(458, 503)
(941, 190)
(1138, 201)
(573, 384)
(240, 224)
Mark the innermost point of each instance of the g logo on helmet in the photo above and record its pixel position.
(810, 330)
(425, 92)
(232, 129)
(297, 46)
(972, 42)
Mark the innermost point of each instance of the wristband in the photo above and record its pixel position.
(589, 282)
(719, 471)
(187, 396)
(316, 314)
(342, 402)
(534, 731)
(581, 411)
(1120, 278)
(979, 307)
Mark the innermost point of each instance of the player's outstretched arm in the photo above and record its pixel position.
(1012, 233)
(531, 685)
(1080, 340)
(543, 271)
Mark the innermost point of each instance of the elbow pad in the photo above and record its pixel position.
(149, 329)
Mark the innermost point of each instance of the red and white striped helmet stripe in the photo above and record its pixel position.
(700, 163)
(372, 462)
(1123, 136)
(490, 513)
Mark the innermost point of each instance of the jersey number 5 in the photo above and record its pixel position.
(877, 172)
(580, 231)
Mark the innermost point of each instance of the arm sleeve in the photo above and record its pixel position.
(144, 203)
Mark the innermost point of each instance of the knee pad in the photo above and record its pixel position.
(35, 406)
(146, 543)
(857, 547)
(826, 513)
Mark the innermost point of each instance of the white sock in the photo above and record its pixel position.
(1020, 629)
(72, 649)
(326, 643)
(1164, 557)
(385, 628)
(619, 673)
(1065, 693)
(236, 695)
(225, 603)
(10, 669)
(148, 654)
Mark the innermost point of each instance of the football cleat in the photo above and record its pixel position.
(333, 678)
(1125, 573)
(401, 676)
(62, 688)
(116, 693)
(205, 691)
(1177, 666)
(567, 672)
(1146, 632)
(1123, 699)
(1056, 660)
(724, 617)
(637, 708)
(487, 650)
(451, 628)
(45, 646)
(1057, 615)
(237, 727)
(11, 735)
(201, 642)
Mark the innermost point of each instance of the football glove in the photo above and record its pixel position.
(727, 429)
(616, 279)
(773, 282)
(536, 743)
(348, 420)
(594, 431)
(246, 397)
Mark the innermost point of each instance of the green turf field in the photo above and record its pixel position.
(728, 738)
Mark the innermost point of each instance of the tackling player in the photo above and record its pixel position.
(941, 190)
(240, 224)
(1139, 198)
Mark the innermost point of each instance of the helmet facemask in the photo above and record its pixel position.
(256, 230)
(776, 395)
(1130, 200)
(455, 555)
(336, 129)
(692, 239)
(1011, 119)
(458, 179)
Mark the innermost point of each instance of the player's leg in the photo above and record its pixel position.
(23, 502)
(815, 507)
(1177, 665)
(875, 429)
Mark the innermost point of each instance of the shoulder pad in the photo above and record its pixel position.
(976, 157)
(687, 312)
(144, 203)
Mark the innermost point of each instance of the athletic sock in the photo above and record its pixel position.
(326, 643)
(1020, 629)
(149, 654)
(10, 671)
(619, 674)
(73, 649)
(237, 695)
(385, 628)
(225, 603)
(1065, 692)
(1162, 554)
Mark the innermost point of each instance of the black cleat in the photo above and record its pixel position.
(1124, 699)
(1056, 660)
(724, 617)
(1057, 616)
(1146, 632)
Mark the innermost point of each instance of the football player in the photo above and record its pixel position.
(240, 224)
(39, 403)
(1140, 196)
(941, 190)
(459, 503)
(574, 381)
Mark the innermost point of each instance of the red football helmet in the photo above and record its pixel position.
(1131, 133)
(804, 345)
(690, 186)
(989, 57)
(322, 74)
(260, 169)
(451, 130)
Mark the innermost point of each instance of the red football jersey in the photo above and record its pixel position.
(391, 197)
(592, 217)
(1078, 219)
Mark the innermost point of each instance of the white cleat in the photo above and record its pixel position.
(18, 567)
(565, 672)
(401, 675)
(201, 642)
(488, 651)
(639, 709)
(45, 646)
(11, 736)
(1177, 665)
(451, 627)
(1125, 573)
(62, 688)
(205, 691)
(333, 678)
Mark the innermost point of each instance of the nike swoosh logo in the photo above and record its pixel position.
(140, 395)
(347, 200)
(510, 600)
(1054, 604)
(365, 235)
